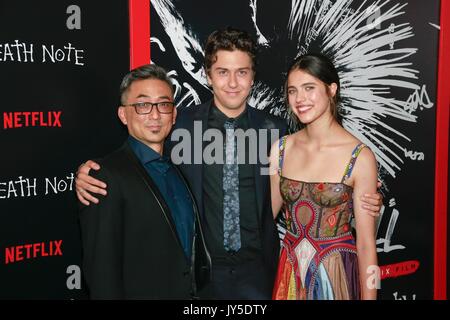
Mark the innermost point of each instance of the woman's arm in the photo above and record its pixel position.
(365, 181)
(277, 200)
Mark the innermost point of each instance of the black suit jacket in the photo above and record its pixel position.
(195, 121)
(131, 249)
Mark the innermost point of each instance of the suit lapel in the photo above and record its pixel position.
(198, 125)
(152, 187)
(260, 185)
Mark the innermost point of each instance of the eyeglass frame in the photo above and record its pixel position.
(135, 105)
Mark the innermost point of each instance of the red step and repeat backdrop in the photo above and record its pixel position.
(62, 62)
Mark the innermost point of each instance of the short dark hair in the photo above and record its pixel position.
(147, 71)
(229, 39)
(322, 68)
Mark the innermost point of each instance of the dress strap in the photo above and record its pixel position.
(282, 146)
(351, 164)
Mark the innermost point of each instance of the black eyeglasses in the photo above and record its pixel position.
(147, 107)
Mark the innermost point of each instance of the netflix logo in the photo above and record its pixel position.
(399, 269)
(12, 120)
(33, 250)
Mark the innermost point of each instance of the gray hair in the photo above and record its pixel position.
(147, 71)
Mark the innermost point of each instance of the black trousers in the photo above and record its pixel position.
(244, 281)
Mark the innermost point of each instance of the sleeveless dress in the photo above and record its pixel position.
(318, 259)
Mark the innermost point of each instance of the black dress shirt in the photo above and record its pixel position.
(213, 201)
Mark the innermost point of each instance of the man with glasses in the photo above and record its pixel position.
(144, 240)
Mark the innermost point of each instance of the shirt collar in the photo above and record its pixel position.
(144, 153)
(218, 118)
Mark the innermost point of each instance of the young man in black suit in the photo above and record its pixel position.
(144, 240)
(246, 269)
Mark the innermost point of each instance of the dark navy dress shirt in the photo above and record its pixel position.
(173, 189)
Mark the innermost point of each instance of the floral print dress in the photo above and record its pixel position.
(318, 259)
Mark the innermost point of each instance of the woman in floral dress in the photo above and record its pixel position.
(319, 175)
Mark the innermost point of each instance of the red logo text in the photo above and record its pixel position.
(33, 250)
(31, 119)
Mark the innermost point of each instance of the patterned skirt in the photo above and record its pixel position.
(317, 270)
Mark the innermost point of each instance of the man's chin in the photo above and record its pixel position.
(234, 106)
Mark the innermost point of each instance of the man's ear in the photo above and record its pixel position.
(174, 115)
(208, 78)
(122, 115)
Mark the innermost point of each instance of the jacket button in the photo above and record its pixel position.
(186, 273)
